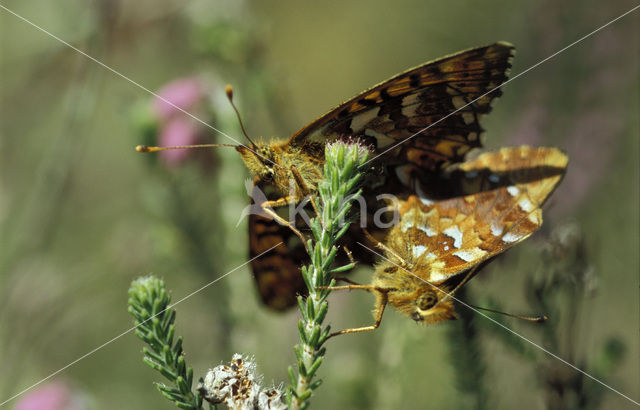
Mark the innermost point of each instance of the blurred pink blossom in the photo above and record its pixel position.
(179, 130)
(176, 127)
(184, 93)
(52, 396)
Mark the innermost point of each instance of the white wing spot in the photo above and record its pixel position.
(411, 99)
(513, 190)
(409, 111)
(458, 101)
(430, 255)
(533, 217)
(496, 230)
(360, 120)
(406, 225)
(437, 277)
(446, 248)
(430, 232)
(525, 205)
(468, 118)
(403, 174)
(455, 233)
(418, 250)
(470, 255)
(510, 237)
(383, 140)
(410, 104)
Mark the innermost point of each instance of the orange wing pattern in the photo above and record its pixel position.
(446, 237)
(439, 241)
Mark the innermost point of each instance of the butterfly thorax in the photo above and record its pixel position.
(411, 295)
(281, 162)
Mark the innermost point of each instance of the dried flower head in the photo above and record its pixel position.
(238, 387)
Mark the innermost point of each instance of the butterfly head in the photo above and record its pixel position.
(413, 297)
(260, 159)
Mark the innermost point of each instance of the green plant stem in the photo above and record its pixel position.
(337, 191)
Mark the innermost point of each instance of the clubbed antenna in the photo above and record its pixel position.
(229, 91)
(534, 319)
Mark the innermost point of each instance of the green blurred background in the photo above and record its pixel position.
(83, 214)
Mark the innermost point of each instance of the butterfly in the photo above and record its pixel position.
(442, 240)
(418, 122)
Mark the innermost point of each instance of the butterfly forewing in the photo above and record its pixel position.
(434, 108)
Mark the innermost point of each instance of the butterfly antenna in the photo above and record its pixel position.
(452, 292)
(147, 148)
(534, 319)
(229, 91)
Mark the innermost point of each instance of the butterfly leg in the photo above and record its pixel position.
(347, 280)
(353, 286)
(352, 263)
(349, 255)
(374, 326)
(306, 191)
(267, 206)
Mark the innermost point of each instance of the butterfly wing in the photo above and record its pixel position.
(277, 272)
(433, 110)
(446, 237)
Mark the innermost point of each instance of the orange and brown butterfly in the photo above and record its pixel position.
(415, 109)
(440, 243)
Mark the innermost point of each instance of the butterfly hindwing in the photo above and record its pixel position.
(277, 272)
(446, 237)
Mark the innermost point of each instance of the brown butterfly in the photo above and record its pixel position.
(439, 244)
(416, 109)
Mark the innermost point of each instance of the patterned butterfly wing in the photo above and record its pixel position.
(508, 187)
(439, 240)
(434, 110)
(277, 272)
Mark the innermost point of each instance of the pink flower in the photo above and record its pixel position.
(180, 130)
(52, 396)
(176, 127)
(184, 93)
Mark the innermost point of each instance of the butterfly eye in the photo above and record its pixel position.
(427, 300)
